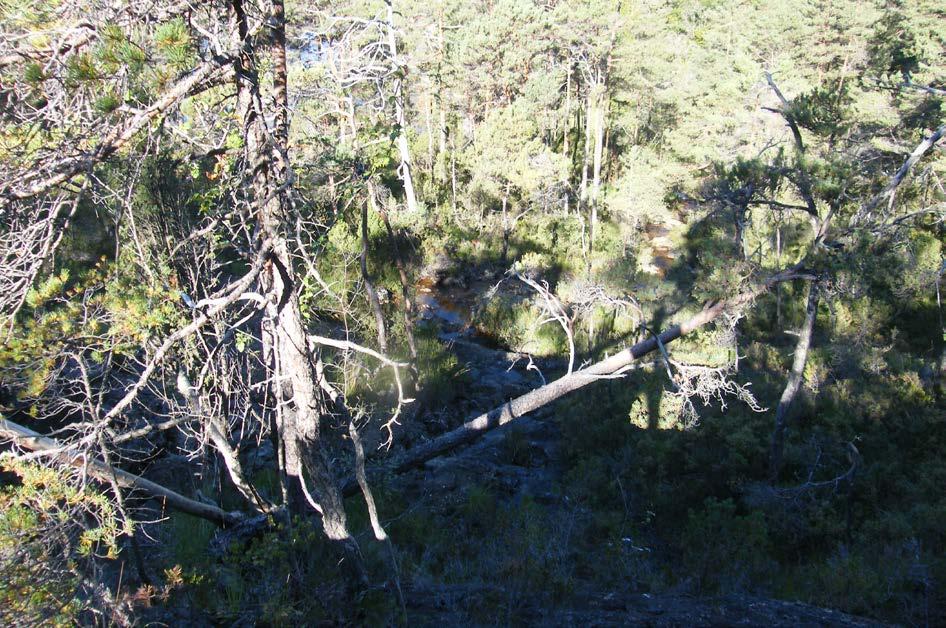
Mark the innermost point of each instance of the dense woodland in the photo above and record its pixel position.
(472, 311)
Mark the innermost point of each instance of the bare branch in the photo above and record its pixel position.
(28, 439)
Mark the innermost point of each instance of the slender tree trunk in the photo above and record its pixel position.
(428, 122)
(792, 386)
(778, 264)
(371, 293)
(453, 177)
(231, 460)
(506, 229)
(280, 76)
(352, 127)
(598, 100)
(941, 362)
(405, 169)
(568, 109)
(740, 222)
(441, 108)
(598, 115)
(586, 154)
(443, 127)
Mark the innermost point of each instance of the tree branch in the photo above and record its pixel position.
(901, 174)
(40, 179)
(28, 439)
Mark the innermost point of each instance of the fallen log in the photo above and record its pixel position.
(607, 368)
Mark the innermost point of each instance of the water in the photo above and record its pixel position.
(452, 307)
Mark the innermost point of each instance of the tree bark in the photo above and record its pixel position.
(428, 123)
(231, 460)
(586, 154)
(568, 108)
(901, 174)
(405, 169)
(296, 385)
(793, 384)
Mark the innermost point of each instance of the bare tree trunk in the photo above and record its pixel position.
(280, 75)
(586, 154)
(794, 382)
(596, 101)
(366, 278)
(231, 460)
(568, 109)
(443, 127)
(297, 392)
(506, 228)
(404, 170)
(739, 219)
(778, 262)
(453, 178)
(440, 99)
(351, 117)
(428, 122)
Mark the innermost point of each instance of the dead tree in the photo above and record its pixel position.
(261, 207)
(288, 355)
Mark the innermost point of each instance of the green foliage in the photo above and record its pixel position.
(726, 549)
(47, 526)
(510, 159)
(893, 49)
(823, 110)
(81, 68)
(118, 313)
(33, 73)
(107, 103)
(118, 50)
(443, 376)
(173, 41)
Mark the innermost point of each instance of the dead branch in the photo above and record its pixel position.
(28, 439)
(556, 311)
(895, 181)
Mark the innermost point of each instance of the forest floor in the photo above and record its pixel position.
(531, 469)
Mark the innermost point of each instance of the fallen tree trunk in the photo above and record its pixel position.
(607, 368)
(28, 439)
